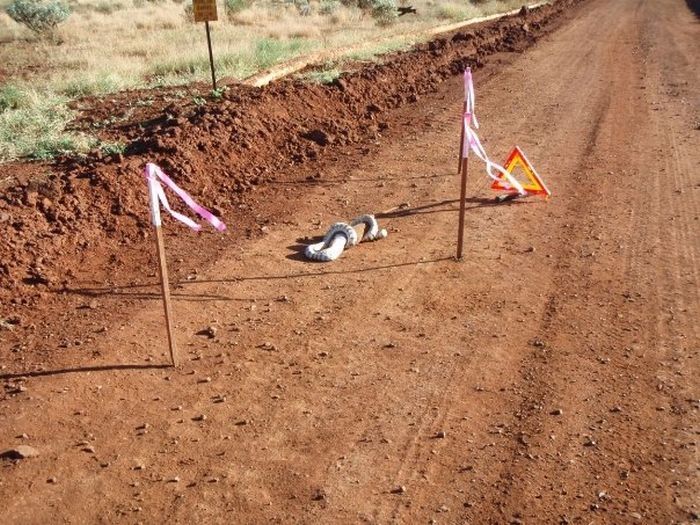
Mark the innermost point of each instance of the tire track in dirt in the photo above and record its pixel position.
(536, 415)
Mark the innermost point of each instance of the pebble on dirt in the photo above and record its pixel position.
(209, 331)
(319, 495)
(19, 452)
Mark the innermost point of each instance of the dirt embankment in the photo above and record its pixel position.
(51, 216)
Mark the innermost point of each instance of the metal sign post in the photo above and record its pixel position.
(205, 11)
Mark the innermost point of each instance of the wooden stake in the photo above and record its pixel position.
(165, 286)
(211, 57)
(464, 165)
(461, 138)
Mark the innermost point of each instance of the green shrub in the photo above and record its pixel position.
(42, 17)
(231, 7)
(328, 7)
(384, 11)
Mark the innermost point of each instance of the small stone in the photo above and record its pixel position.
(443, 508)
(557, 412)
(175, 479)
(616, 409)
(139, 466)
(400, 489)
(19, 452)
(52, 480)
(143, 426)
(319, 495)
(589, 442)
(89, 449)
(205, 380)
(441, 434)
(268, 347)
(200, 417)
(635, 515)
(209, 331)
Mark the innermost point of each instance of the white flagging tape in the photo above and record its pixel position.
(471, 139)
(342, 235)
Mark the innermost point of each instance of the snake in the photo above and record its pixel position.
(342, 235)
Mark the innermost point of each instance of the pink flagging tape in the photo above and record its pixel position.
(155, 176)
(469, 98)
(471, 139)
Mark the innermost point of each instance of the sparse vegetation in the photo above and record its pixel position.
(109, 45)
(34, 127)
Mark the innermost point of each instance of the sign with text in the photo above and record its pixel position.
(204, 10)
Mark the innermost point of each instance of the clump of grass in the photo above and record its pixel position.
(262, 54)
(270, 51)
(112, 148)
(108, 7)
(383, 48)
(326, 75)
(35, 128)
(11, 97)
(86, 85)
(456, 11)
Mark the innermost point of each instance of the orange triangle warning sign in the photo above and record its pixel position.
(531, 182)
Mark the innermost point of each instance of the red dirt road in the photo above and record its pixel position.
(549, 377)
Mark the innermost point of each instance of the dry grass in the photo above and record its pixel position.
(108, 45)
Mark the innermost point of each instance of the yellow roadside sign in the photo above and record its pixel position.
(204, 10)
